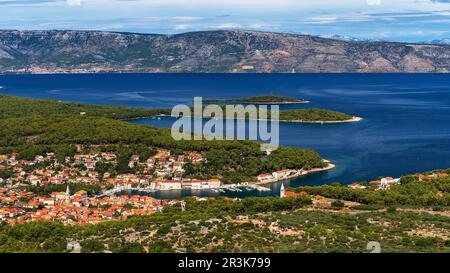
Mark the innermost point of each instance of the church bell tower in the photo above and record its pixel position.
(282, 191)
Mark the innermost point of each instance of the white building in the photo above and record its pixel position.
(357, 186)
(48, 202)
(195, 184)
(264, 177)
(202, 184)
(282, 173)
(388, 181)
(169, 185)
(90, 165)
(214, 183)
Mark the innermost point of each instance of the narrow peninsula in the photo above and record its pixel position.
(316, 115)
(260, 99)
(305, 115)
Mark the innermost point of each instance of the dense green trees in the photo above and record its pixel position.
(247, 205)
(299, 115)
(46, 190)
(34, 237)
(313, 114)
(235, 161)
(5, 174)
(16, 107)
(92, 245)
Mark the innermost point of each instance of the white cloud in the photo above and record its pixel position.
(443, 13)
(73, 2)
(181, 27)
(224, 2)
(186, 18)
(227, 25)
(322, 19)
(373, 2)
(258, 25)
(348, 17)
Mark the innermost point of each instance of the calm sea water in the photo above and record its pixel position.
(406, 116)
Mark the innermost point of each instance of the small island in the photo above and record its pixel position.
(261, 99)
(316, 115)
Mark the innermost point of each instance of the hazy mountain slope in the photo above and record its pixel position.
(213, 51)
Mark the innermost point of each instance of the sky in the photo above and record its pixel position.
(392, 20)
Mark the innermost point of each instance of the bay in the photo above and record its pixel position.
(405, 127)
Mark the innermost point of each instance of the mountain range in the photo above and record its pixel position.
(445, 41)
(57, 51)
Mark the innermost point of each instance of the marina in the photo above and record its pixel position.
(236, 188)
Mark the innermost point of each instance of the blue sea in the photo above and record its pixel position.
(405, 128)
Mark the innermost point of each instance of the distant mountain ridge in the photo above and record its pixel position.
(445, 41)
(57, 51)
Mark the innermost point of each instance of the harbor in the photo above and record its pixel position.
(225, 190)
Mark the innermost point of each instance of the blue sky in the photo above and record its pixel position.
(398, 20)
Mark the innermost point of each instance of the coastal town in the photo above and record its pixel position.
(101, 195)
(161, 171)
(92, 195)
(81, 169)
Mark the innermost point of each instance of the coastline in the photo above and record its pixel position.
(298, 174)
(260, 103)
(353, 119)
(135, 118)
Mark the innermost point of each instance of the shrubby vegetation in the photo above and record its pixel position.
(250, 225)
(411, 192)
(53, 237)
